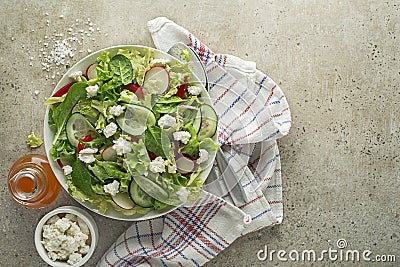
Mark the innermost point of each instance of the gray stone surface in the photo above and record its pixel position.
(338, 63)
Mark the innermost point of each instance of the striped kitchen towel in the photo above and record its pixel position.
(253, 113)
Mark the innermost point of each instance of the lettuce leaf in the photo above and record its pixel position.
(209, 145)
(127, 96)
(105, 170)
(192, 147)
(167, 104)
(63, 149)
(141, 62)
(178, 73)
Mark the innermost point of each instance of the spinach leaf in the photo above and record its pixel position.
(82, 178)
(122, 67)
(62, 112)
(157, 141)
(167, 105)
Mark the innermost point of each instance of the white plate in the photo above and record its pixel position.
(49, 133)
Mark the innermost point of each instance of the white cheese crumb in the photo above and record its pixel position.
(166, 121)
(77, 75)
(157, 165)
(183, 136)
(122, 146)
(203, 156)
(53, 219)
(74, 258)
(63, 238)
(84, 249)
(62, 224)
(110, 129)
(92, 90)
(86, 155)
(73, 229)
(67, 169)
(112, 188)
(116, 110)
(194, 90)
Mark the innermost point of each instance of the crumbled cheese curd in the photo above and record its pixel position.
(122, 146)
(110, 129)
(67, 169)
(183, 136)
(194, 90)
(157, 165)
(74, 258)
(62, 224)
(92, 90)
(116, 110)
(203, 156)
(63, 238)
(77, 76)
(112, 188)
(86, 155)
(166, 121)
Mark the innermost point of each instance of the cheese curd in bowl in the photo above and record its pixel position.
(66, 236)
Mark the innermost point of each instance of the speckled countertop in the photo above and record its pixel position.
(338, 63)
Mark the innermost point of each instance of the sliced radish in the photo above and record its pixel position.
(185, 165)
(109, 154)
(91, 71)
(160, 75)
(63, 90)
(123, 201)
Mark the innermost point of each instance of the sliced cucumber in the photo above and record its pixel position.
(209, 121)
(151, 188)
(78, 127)
(135, 119)
(197, 121)
(109, 154)
(123, 201)
(139, 196)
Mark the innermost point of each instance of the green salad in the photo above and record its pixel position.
(133, 132)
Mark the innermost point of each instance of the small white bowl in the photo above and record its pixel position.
(82, 214)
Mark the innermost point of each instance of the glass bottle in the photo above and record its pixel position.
(31, 182)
